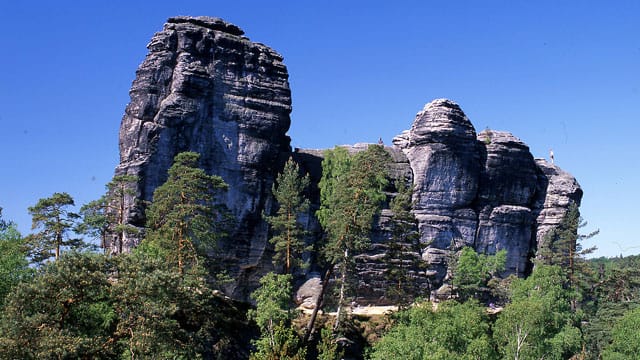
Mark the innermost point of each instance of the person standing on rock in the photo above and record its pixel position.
(551, 156)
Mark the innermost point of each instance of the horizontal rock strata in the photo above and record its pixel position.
(207, 88)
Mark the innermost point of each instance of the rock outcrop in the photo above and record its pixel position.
(483, 191)
(205, 87)
(556, 190)
(444, 156)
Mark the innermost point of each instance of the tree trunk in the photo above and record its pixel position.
(58, 243)
(180, 250)
(288, 242)
(314, 314)
(343, 280)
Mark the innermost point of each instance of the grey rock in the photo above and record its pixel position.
(507, 189)
(483, 191)
(557, 189)
(486, 192)
(307, 294)
(204, 87)
(445, 158)
(207, 88)
(443, 154)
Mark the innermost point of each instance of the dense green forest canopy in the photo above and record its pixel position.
(60, 298)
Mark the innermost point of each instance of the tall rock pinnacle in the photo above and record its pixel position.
(204, 87)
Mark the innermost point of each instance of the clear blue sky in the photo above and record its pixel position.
(557, 74)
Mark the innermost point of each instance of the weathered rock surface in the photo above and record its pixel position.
(486, 192)
(204, 87)
(557, 189)
(508, 185)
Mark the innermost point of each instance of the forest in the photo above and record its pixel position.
(64, 296)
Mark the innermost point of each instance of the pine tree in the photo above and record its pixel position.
(52, 217)
(106, 216)
(403, 257)
(562, 246)
(351, 191)
(119, 192)
(184, 219)
(63, 312)
(94, 221)
(288, 237)
(133, 306)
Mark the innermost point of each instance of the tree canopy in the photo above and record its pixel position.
(13, 258)
(351, 194)
(452, 331)
(288, 232)
(54, 221)
(185, 219)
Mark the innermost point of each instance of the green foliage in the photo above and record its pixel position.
(562, 246)
(453, 331)
(107, 215)
(52, 217)
(617, 290)
(328, 348)
(288, 237)
(273, 316)
(597, 331)
(273, 300)
(351, 193)
(94, 221)
(64, 312)
(13, 258)
(184, 221)
(161, 312)
(618, 279)
(538, 323)
(131, 306)
(472, 271)
(625, 342)
(403, 256)
(284, 345)
(119, 190)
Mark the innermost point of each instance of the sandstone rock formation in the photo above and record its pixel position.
(204, 87)
(483, 191)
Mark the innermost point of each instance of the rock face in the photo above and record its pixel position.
(556, 190)
(444, 156)
(483, 191)
(204, 87)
